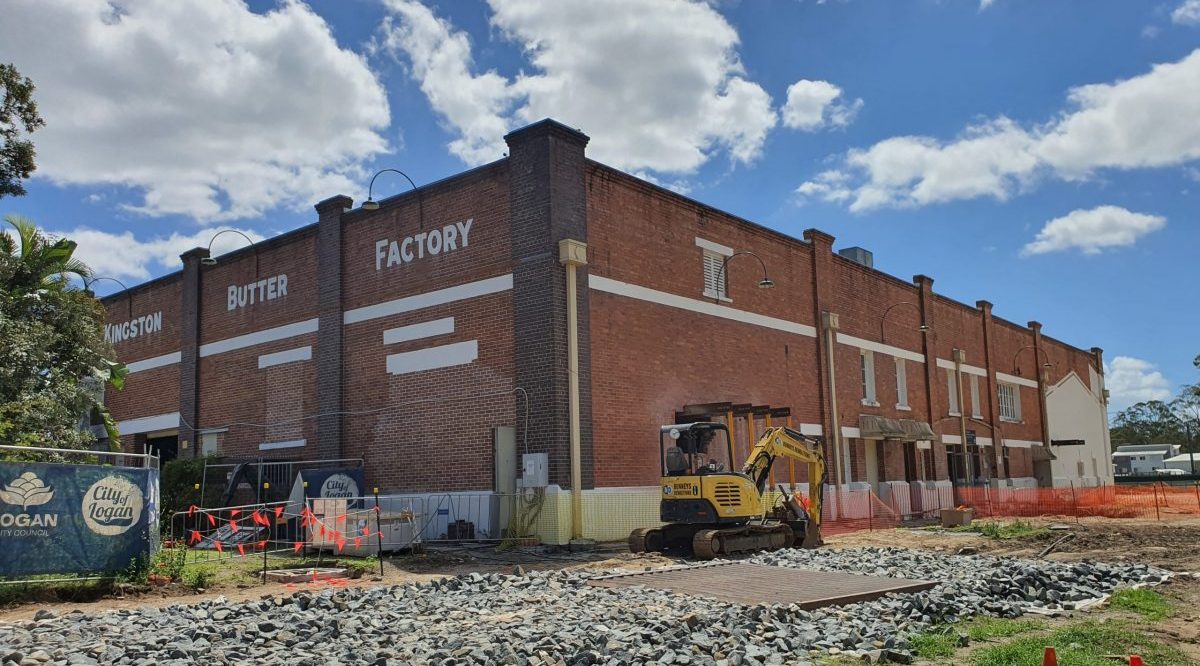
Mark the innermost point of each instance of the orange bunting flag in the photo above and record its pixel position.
(194, 538)
(234, 513)
(341, 518)
(233, 525)
(366, 531)
(218, 545)
(211, 520)
(341, 544)
(191, 510)
(376, 508)
(322, 529)
(358, 542)
(241, 550)
(262, 544)
(299, 545)
(278, 511)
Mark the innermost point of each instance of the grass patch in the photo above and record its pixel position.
(1083, 644)
(1147, 603)
(934, 644)
(1017, 529)
(984, 628)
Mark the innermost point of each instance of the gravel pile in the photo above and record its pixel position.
(548, 618)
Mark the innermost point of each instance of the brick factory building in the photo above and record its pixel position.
(415, 336)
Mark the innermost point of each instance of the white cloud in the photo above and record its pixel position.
(1132, 380)
(813, 105)
(206, 108)
(1094, 230)
(828, 185)
(984, 4)
(1187, 13)
(656, 85)
(124, 256)
(1143, 122)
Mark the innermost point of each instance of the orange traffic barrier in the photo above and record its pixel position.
(1049, 657)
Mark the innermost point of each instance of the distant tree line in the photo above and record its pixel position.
(1174, 421)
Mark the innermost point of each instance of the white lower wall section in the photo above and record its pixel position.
(149, 424)
(155, 362)
(290, 444)
(897, 495)
(431, 358)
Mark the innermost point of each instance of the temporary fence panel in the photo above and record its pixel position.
(76, 519)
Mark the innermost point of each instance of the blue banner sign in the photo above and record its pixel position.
(79, 519)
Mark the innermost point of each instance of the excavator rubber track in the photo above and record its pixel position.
(708, 544)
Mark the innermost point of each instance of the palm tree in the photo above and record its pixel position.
(39, 261)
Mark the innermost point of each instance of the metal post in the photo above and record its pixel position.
(1196, 486)
(378, 533)
(572, 254)
(1157, 515)
(870, 512)
(1074, 503)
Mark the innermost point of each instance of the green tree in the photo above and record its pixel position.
(18, 117)
(54, 360)
(1150, 422)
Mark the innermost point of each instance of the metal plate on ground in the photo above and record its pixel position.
(749, 584)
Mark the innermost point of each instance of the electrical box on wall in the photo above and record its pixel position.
(534, 472)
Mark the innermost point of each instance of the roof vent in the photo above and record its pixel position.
(859, 256)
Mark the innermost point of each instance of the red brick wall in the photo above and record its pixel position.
(154, 391)
(430, 430)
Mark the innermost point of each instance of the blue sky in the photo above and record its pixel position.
(1044, 156)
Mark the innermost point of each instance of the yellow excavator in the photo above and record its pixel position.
(710, 511)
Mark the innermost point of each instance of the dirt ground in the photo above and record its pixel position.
(1170, 545)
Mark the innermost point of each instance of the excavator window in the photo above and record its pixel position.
(696, 450)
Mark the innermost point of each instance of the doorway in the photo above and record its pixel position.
(165, 447)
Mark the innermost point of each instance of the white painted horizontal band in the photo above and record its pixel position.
(925, 444)
(611, 286)
(848, 431)
(1021, 443)
(723, 250)
(432, 358)
(492, 285)
(880, 348)
(951, 439)
(983, 441)
(285, 356)
(967, 369)
(290, 444)
(811, 429)
(1013, 379)
(260, 337)
(425, 329)
(154, 362)
(149, 424)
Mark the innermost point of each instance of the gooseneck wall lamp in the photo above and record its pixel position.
(87, 288)
(212, 261)
(924, 328)
(1046, 364)
(765, 283)
(372, 204)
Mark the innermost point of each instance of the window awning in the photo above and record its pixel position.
(878, 427)
(1040, 453)
(917, 430)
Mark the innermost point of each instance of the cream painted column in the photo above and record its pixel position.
(572, 254)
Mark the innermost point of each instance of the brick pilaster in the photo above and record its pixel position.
(547, 197)
(329, 327)
(1038, 356)
(189, 352)
(933, 386)
(993, 398)
(823, 302)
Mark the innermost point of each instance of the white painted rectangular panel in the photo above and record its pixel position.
(608, 285)
(811, 429)
(285, 356)
(149, 424)
(155, 362)
(290, 444)
(881, 348)
(951, 439)
(1013, 379)
(967, 369)
(425, 329)
(723, 250)
(1020, 443)
(848, 431)
(445, 356)
(260, 337)
(460, 292)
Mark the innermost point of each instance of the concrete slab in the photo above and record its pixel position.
(749, 584)
(305, 575)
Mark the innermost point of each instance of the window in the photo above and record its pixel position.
(1010, 401)
(208, 444)
(976, 408)
(715, 280)
(866, 362)
(901, 384)
(952, 386)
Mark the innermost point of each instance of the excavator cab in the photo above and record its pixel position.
(695, 449)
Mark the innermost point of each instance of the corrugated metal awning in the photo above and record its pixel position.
(878, 427)
(1039, 453)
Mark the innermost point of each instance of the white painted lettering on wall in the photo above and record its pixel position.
(427, 243)
(266, 289)
(127, 330)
